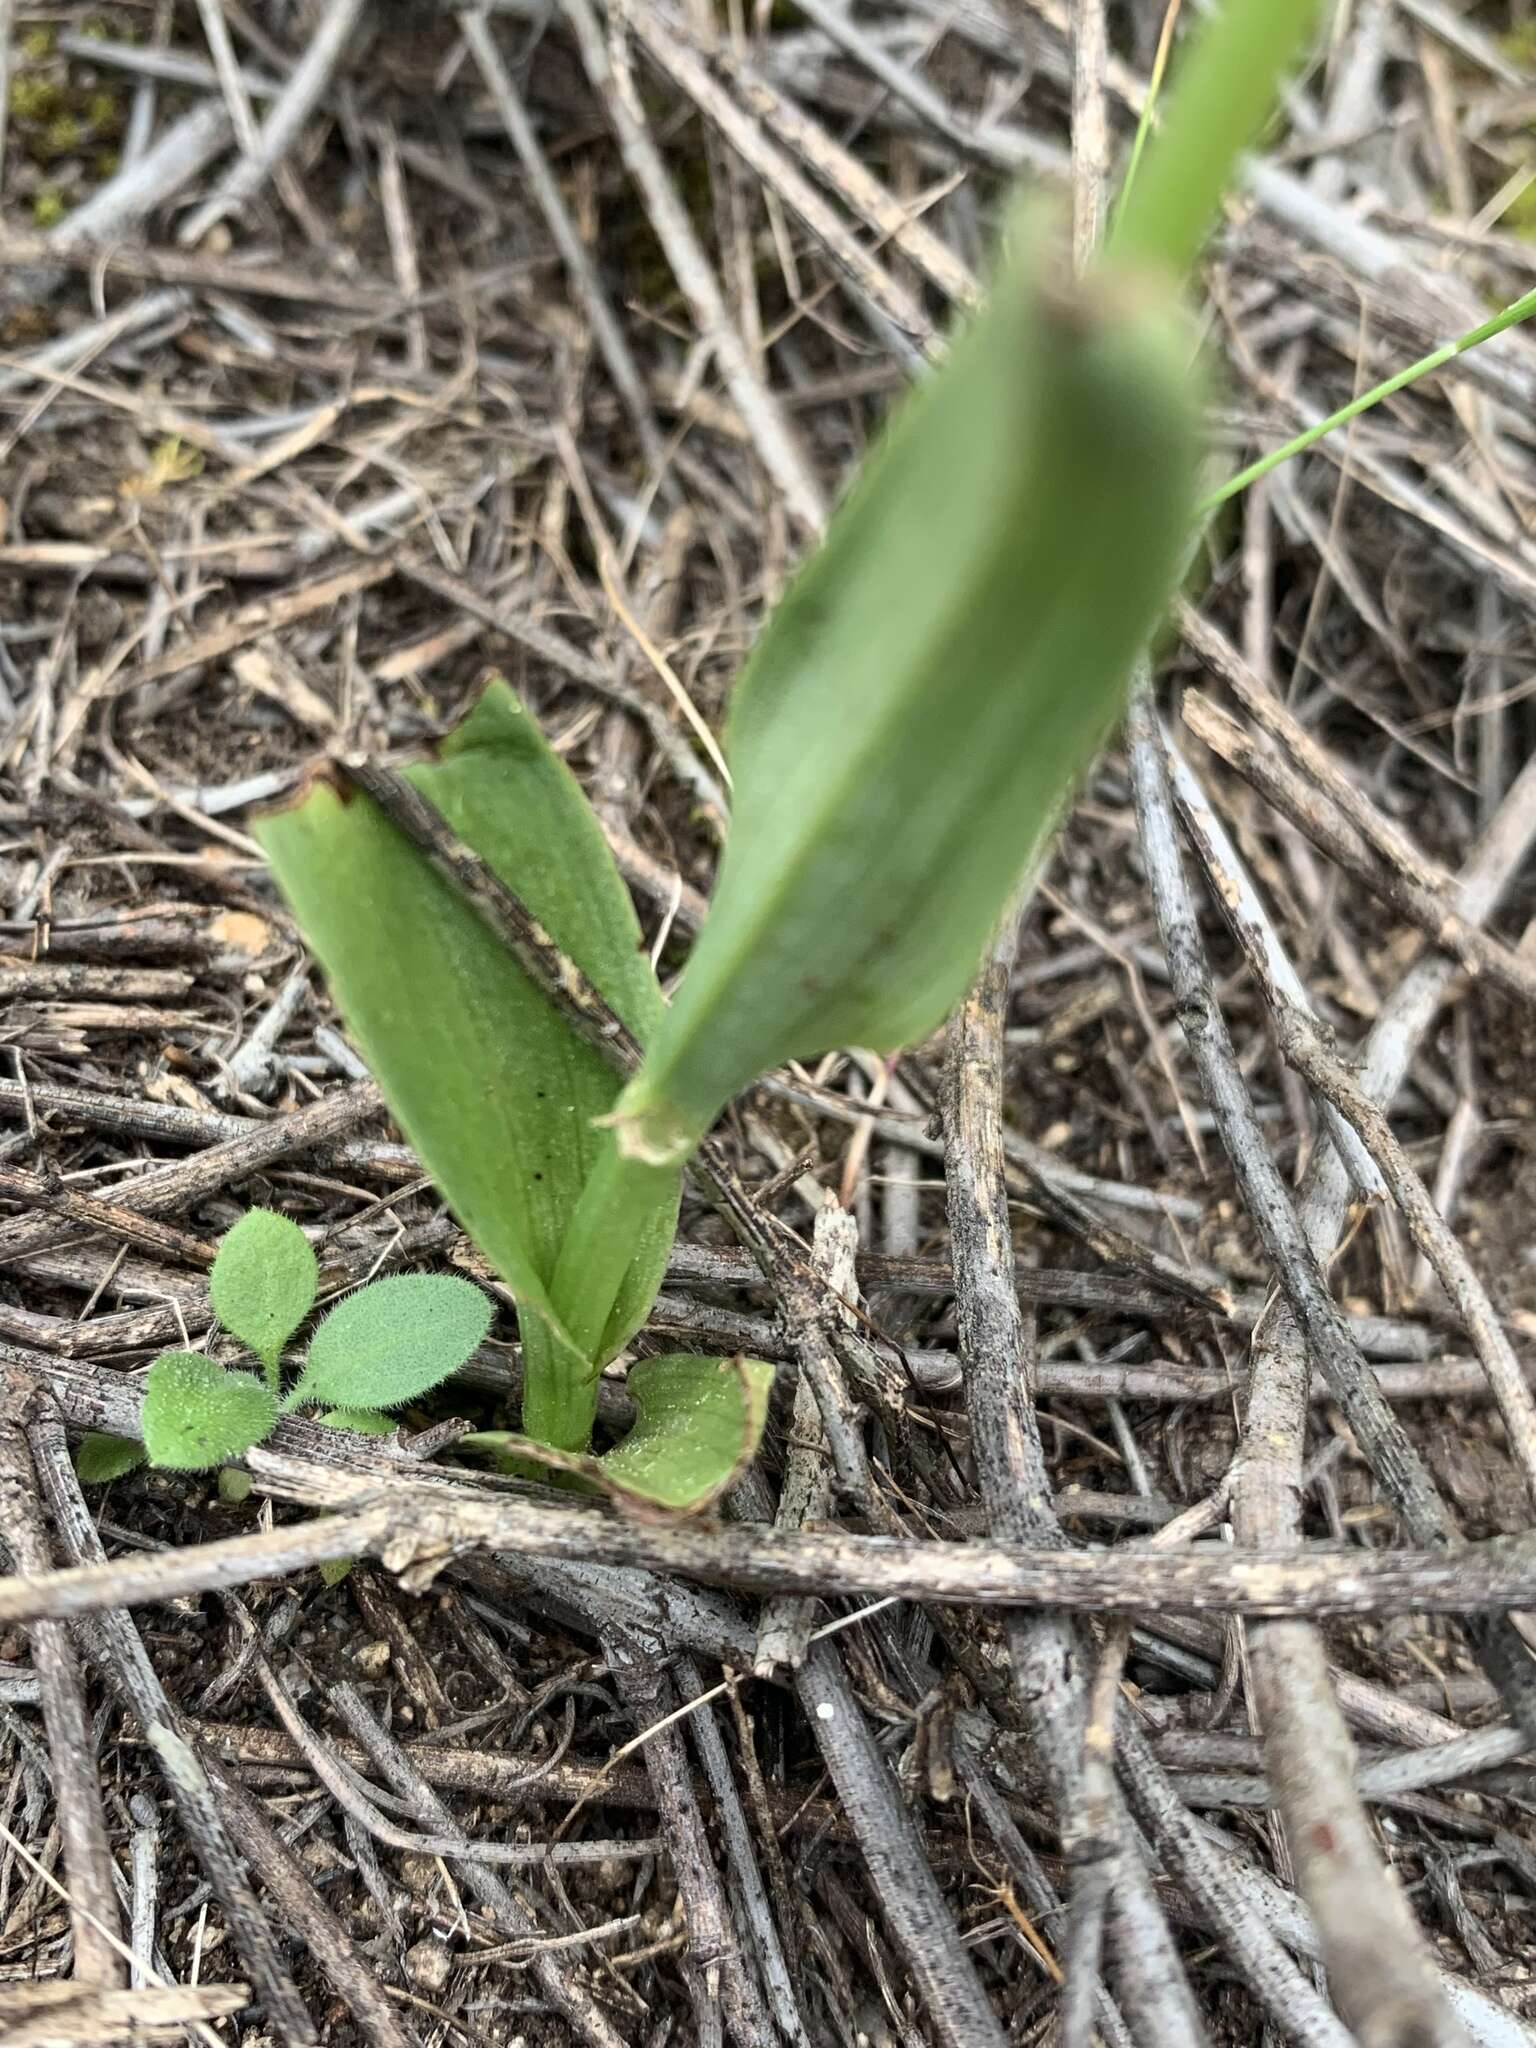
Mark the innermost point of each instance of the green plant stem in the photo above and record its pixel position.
(272, 1369)
(559, 1387)
(1511, 316)
(1223, 93)
(606, 1231)
(600, 1245)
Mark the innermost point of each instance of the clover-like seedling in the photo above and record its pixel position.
(381, 1346)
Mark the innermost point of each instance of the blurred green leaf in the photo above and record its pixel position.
(495, 1092)
(195, 1414)
(263, 1282)
(1224, 91)
(392, 1340)
(923, 701)
(361, 1421)
(101, 1458)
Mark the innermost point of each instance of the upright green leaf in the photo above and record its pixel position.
(263, 1282)
(933, 684)
(195, 1414)
(498, 1096)
(393, 1340)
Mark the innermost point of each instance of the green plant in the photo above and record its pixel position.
(389, 1342)
(901, 743)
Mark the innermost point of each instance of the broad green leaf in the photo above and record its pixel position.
(101, 1457)
(196, 1414)
(361, 1421)
(263, 1282)
(497, 1095)
(392, 1340)
(922, 703)
(700, 1422)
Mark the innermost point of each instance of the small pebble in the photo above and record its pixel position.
(428, 1964)
(419, 1873)
(372, 1658)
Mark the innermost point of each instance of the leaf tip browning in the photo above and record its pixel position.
(328, 775)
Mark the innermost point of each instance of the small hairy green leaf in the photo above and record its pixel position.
(195, 1414)
(263, 1281)
(234, 1485)
(361, 1421)
(393, 1340)
(701, 1420)
(102, 1457)
(334, 1569)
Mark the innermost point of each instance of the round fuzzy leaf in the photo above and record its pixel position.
(393, 1340)
(102, 1457)
(361, 1421)
(195, 1414)
(263, 1281)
